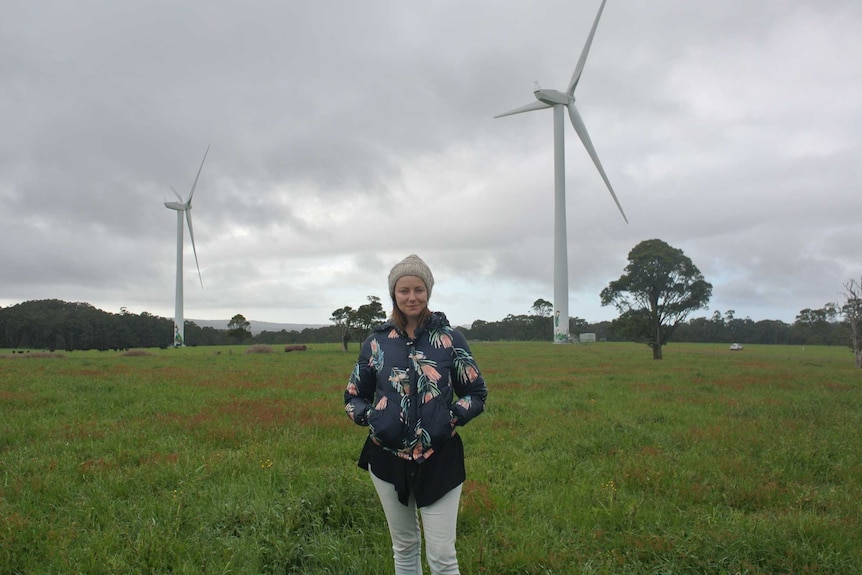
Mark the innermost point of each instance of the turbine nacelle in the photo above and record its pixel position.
(180, 207)
(553, 97)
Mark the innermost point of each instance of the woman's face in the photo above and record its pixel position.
(411, 296)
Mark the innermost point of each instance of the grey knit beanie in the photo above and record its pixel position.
(412, 265)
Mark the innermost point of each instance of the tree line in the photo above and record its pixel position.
(60, 325)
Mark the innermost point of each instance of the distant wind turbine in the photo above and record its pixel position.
(184, 207)
(559, 100)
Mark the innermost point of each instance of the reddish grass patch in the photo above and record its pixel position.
(11, 396)
(36, 355)
(100, 372)
(159, 458)
(14, 521)
(644, 547)
(711, 434)
(264, 413)
(93, 466)
(322, 412)
(649, 386)
(83, 430)
(475, 497)
(229, 421)
(137, 353)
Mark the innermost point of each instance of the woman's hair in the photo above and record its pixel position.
(400, 320)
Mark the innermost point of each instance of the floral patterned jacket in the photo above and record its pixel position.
(404, 390)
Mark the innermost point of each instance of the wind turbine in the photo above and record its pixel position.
(184, 207)
(558, 101)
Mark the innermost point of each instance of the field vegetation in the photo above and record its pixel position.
(589, 459)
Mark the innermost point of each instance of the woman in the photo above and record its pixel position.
(403, 388)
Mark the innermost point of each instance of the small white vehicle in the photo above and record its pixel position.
(736, 347)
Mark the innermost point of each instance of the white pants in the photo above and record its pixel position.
(438, 520)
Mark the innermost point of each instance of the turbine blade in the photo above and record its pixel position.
(581, 130)
(194, 249)
(537, 105)
(194, 185)
(179, 197)
(576, 76)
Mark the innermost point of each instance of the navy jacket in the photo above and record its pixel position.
(411, 393)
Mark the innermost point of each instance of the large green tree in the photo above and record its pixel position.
(359, 320)
(369, 315)
(659, 288)
(239, 328)
(344, 317)
(542, 308)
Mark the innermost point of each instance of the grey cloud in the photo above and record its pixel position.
(346, 135)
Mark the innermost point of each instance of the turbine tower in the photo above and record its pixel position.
(560, 101)
(184, 207)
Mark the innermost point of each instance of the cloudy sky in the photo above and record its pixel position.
(345, 135)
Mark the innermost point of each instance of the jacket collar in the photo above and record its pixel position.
(436, 320)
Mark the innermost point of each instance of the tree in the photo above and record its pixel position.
(238, 328)
(819, 326)
(358, 320)
(659, 288)
(344, 317)
(852, 312)
(369, 315)
(542, 308)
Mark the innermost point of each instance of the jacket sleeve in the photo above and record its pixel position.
(467, 382)
(359, 395)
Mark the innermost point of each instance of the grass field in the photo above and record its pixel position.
(589, 459)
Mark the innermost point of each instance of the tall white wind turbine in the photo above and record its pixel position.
(558, 101)
(184, 207)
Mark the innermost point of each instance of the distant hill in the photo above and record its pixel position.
(257, 326)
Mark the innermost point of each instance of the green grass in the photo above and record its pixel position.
(589, 459)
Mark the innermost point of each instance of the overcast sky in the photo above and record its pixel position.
(345, 135)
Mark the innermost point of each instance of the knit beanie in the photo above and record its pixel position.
(412, 265)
